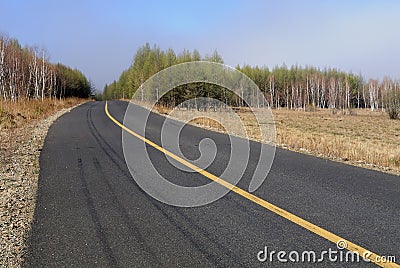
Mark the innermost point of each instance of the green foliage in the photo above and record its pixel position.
(147, 62)
(72, 82)
(196, 90)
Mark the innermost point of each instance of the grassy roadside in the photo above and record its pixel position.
(360, 137)
(16, 115)
(363, 138)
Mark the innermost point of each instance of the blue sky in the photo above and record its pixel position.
(101, 37)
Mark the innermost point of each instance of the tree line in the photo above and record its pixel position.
(147, 62)
(294, 87)
(303, 87)
(26, 73)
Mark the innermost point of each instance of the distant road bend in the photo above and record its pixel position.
(90, 212)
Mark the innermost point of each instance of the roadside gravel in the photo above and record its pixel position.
(19, 173)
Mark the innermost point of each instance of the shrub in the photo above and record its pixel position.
(392, 101)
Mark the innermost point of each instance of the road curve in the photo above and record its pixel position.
(91, 213)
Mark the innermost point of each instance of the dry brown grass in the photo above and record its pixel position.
(364, 137)
(360, 137)
(205, 121)
(14, 115)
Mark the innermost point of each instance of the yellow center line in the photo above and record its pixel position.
(275, 209)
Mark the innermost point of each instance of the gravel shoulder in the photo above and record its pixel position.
(19, 173)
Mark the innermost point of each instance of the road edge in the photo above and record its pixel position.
(18, 189)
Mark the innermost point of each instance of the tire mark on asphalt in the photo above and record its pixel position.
(212, 240)
(125, 216)
(94, 215)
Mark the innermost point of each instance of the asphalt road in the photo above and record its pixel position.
(91, 213)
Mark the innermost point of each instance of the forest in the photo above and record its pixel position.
(26, 73)
(293, 87)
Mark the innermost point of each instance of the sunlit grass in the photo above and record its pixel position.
(360, 137)
(14, 114)
(17, 114)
